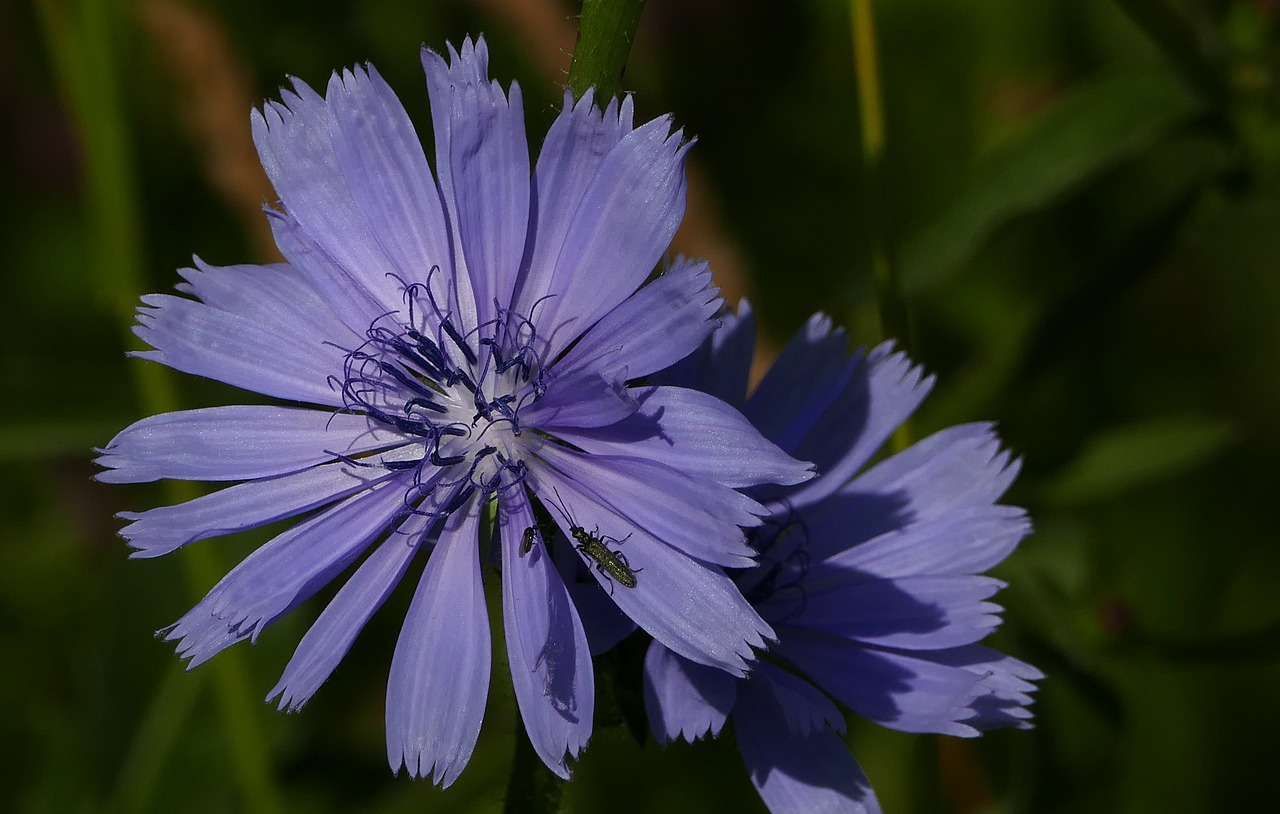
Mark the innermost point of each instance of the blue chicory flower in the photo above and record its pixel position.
(464, 337)
(870, 581)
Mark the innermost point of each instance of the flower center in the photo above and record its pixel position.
(456, 396)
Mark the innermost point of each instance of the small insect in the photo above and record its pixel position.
(527, 539)
(612, 564)
(609, 562)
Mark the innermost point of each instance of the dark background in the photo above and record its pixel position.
(1083, 195)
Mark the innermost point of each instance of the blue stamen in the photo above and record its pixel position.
(459, 341)
(410, 377)
(424, 404)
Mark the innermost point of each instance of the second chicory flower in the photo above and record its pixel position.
(871, 581)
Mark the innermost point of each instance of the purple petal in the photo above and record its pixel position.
(346, 293)
(910, 692)
(993, 712)
(958, 468)
(1005, 686)
(840, 428)
(284, 572)
(655, 502)
(722, 366)
(888, 390)
(440, 671)
(808, 374)
(815, 773)
(478, 130)
(962, 542)
(1002, 672)
(695, 434)
(692, 608)
(389, 179)
(295, 144)
(683, 699)
(236, 443)
(245, 506)
(278, 296)
(660, 324)
(489, 160)
(913, 613)
(575, 146)
(334, 631)
(805, 708)
(546, 646)
(619, 230)
(579, 399)
(289, 360)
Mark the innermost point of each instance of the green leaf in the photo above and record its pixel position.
(1125, 458)
(1080, 137)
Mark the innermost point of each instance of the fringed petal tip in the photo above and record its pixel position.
(820, 326)
(806, 708)
(1001, 696)
(285, 701)
(684, 700)
(465, 66)
(614, 111)
(909, 375)
(198, 640)
(109, 473)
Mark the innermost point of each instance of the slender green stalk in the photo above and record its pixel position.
(894, 322)
(81, 42)
(605, 33)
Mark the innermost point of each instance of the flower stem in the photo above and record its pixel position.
(894, 321)
(605, 32)
(533, 788)
(81, 42)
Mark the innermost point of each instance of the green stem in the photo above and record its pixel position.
(605, 33)
(894, 321)
(81, 42)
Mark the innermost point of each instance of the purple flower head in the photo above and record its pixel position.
(465, 339)
(870, 581)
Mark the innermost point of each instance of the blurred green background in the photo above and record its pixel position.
(1083, 197)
